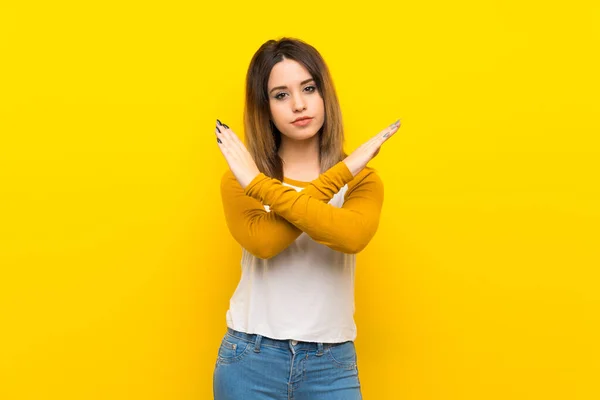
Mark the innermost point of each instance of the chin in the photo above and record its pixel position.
(302, 135)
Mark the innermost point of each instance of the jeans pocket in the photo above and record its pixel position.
(343, 355)
(232, 350)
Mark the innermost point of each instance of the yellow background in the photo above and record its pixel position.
(117, 266)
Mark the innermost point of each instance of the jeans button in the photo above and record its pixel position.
(294, 342)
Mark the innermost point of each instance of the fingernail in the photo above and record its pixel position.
(226, 127)
(218, 130)
(219, 140)
(219, 122)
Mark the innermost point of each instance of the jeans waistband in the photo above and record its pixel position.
(260, 340)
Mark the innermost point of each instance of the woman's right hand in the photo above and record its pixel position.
(365, 153)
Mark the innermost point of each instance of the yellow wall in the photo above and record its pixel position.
(116, 264)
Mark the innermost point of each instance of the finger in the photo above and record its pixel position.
(390, 131)
(383, 136)
(230, 157)
(220, 144)
(228, 136)
(222, 138)
(240, 148)
(218, 135)
(219, 138)
(231, 141)
(235, 138)
(223, 135)
(390, 128)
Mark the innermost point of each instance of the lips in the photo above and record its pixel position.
(302, 122)
(301, 119)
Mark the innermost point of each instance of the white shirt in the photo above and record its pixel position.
(305, 293)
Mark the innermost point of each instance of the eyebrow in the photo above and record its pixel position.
(285, 87)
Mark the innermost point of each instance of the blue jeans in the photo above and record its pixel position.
(255, 367)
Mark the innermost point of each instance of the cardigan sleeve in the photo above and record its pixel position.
(347, 229)
(265, 234)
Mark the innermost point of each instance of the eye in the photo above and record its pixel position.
(279, 96)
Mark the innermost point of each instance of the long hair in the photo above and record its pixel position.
(262, 138)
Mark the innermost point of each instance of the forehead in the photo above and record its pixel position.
(288, 72)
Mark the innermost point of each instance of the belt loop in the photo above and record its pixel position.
(319, 349)
(257, 343)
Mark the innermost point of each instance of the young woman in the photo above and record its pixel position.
(301, 209)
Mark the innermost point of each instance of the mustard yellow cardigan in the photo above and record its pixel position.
(266, 233)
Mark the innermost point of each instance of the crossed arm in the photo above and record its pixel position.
(265, 234)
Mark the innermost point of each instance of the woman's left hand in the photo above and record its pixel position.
(237, 156)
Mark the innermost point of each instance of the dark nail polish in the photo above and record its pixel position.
(219, 140)
(219, 122)
(226, 127)
(218, 130)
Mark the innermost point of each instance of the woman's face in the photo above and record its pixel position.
(293, 94)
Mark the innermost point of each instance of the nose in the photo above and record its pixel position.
(298, 103)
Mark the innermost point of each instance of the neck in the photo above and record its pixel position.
(298, 153)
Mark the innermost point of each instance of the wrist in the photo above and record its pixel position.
(249, 179)
(353, 169)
